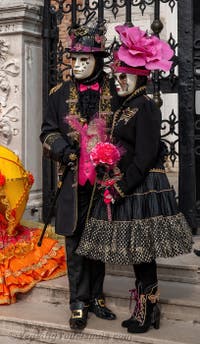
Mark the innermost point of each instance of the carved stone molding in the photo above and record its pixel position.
(20, 16)
(9, 113)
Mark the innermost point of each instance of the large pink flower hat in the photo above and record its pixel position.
(140, 53)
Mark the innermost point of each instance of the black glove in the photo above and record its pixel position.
(100, 169)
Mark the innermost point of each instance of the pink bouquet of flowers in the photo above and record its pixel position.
(107, 155)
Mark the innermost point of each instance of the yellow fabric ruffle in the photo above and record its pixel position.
(24, 264)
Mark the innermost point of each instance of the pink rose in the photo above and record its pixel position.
(104, 153)
(139, 49)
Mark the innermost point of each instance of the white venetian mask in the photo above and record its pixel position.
(125, 83)
(82, 65)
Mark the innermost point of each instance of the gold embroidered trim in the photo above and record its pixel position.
(127, 114)
(115, 119)
(153, 298)
(119, 190)
(6, 206)
(105, 111)
(50, 139)
(73, 157)
(117, 113)
(80, 31)
(35, 266)
(177, 217)
(55, 88)
(135, 93)
(73, 100)
(150, 191)
(157, 170)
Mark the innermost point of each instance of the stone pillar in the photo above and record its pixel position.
(21, 88)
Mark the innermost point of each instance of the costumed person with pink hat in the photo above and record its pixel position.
(136, 218)
(77, 112)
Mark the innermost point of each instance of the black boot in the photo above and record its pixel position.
(134, 297)
(98, 307)
(148, 313)
(79, 315)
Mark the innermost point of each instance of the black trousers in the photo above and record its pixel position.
(85, 276)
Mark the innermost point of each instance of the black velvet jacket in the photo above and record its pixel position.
(58, 141)
(137, 128)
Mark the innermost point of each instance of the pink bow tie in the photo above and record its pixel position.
(94, 87)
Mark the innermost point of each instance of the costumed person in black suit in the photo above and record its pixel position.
(77, 111)
(135, 218)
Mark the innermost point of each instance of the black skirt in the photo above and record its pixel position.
(144, 226)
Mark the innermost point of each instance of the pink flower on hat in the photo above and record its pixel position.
(139, 49)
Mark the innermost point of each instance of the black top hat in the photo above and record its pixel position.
(85, 39)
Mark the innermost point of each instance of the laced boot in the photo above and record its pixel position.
(148, 313)
(133, 297)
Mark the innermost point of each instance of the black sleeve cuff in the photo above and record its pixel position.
(54, 146)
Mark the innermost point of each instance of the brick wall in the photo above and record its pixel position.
(63, 35)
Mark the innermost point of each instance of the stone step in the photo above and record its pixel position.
(178, 301)
(184, 269)
(24, 323)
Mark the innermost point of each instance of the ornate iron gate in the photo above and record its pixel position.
(55, 67)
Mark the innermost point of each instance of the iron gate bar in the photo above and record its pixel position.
(50, 39)
(73, 9)
(128, 14)
(197, 99)
(100, 11)
(157, 27)
(186, 112)
(46, 175)
(157, 9)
